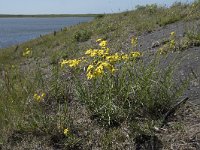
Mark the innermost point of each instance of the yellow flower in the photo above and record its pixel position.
(94, 53)
(93, 72)
(74, 63)
(100, 52)
(27, 52)
(135, 54)
(39, 98)
(66, 131)
(172, 44)
(90, 75)
(172, 33)
(98, 40)
(113, 70)
(64, 62)
(35, 96)
(103, 44)
(97, 52)
(107, 51)
(88, 52)
(134, 41)
(89, 71)
(125, 56)
(90, 67)
(99, 71)
(71, 62)
(108, 66)
(113, 58)
(43, 95)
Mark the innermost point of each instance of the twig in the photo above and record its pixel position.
(194, 135)
(173, 110)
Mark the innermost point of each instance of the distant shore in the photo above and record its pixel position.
(49, 15)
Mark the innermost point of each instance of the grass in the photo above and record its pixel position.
(113, 108)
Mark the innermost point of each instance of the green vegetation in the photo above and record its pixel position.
(82, 35)
(90, 86)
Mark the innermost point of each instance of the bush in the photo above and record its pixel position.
(82, 35)
(122, 86)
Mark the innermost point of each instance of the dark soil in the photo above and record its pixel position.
(188, 60)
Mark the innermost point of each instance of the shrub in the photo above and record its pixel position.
(82, 35)
(122, 86)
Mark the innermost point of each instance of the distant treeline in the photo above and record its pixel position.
(51, 15)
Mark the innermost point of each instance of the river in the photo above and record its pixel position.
(18, 30)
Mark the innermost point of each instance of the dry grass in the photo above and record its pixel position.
(183, 131)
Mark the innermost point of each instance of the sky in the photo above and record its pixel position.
(74, 6)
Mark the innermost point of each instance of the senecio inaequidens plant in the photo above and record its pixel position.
(117, 86)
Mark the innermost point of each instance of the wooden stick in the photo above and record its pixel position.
(173, 110)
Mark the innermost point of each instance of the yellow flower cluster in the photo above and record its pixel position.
(102, 43)
(97, 52)
(101, 61)
(71, 62)
(135, 54)
(98, 69)
(124, 56)
(107, 63)
(119, 57)
(171, 45)
(39, 97)
(27, 52)
(113, 58)
(66, 131)
(134, 41)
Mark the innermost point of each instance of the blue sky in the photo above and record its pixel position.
(73, 6)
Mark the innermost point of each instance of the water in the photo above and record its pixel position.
(18, 30)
